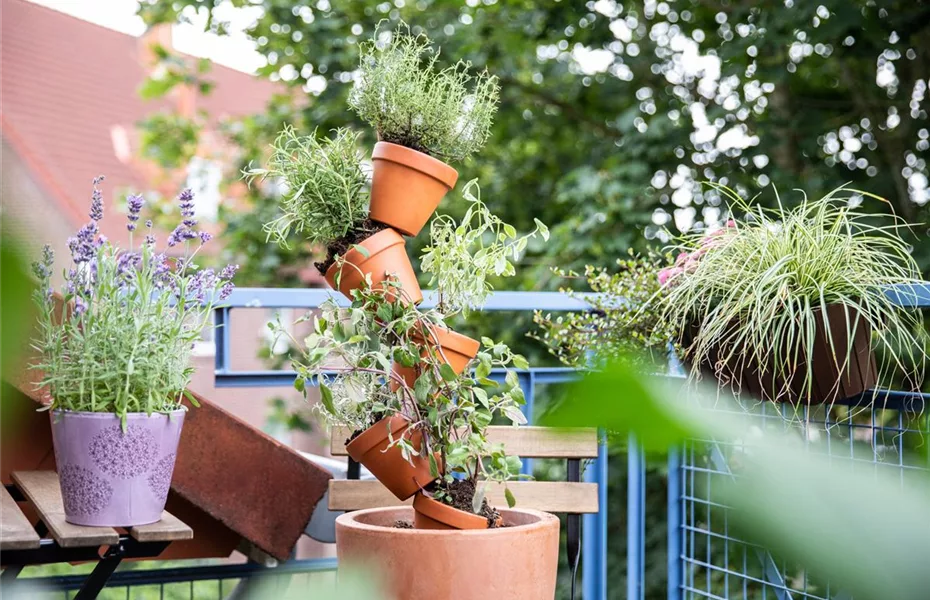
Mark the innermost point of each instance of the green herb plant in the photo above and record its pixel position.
(753, 293)
(403, 94)
(625, 319)
(119, 337)
(326, 191)
(462, 256)
(351, 354)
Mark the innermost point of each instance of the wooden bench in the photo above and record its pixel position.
(526, 442)
(23, 544)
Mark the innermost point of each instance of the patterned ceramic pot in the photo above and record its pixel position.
(110, 477)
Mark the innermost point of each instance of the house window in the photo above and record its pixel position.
(203, 178)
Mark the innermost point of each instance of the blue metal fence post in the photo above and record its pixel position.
(594, 533)
(636, 520)
(674, 517)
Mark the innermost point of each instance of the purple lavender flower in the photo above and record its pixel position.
(126, 266)
(79, 306)
(228, 272)
(226, 290)
(71, 281)
(82, 245)
(149, 240)
(148, 224)
(101, 240)
(205, 237)
(186, 198)
(48, 255)
(96, 201)
(39, 270)
(134, 202)
(201, 283)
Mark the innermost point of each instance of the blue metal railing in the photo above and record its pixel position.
(594, 526)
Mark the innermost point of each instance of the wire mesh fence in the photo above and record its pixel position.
(886, 433)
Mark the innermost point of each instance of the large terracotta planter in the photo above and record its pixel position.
(406, 186)
(432, 514)
(110, 477)
(386, 257)
(831, 381)
(402, 477)
(517, 562)
(452, 348)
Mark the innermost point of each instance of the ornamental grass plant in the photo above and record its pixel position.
(752, 293)
(119, 337)
(403, 94)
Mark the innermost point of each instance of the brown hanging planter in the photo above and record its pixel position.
(386, 257)
(406, 186)
(370, 449)
(831, 379)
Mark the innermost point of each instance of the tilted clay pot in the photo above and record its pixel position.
(432, 514)
(386, 257)
(370, 448)
(453, 348)
(406, 186)
(517, 562)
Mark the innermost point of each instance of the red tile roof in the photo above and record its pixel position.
(67, 82)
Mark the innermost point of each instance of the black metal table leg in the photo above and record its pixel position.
(99, 577)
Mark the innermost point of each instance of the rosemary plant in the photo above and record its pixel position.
(326, 194)
(754, 291)
(119, 338)
(401, 92)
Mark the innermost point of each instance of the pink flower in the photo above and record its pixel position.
(667, 274)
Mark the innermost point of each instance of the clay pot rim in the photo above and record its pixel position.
(109, 415)
(453, 340)
(377, 433)
(431, 508)
(376, 243)
(414, 159)
(350, 519)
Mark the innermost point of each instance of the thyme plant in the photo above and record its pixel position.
(326, 190)
(462, 257)
(755, 290)
(625, 321)
(403, 94)
(119, 338)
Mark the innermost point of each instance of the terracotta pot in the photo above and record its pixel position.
(406, 186)
(831, 379)
(432, 514)
(111, 477)
(402, 477)
(453, 348)
(518, 562)
(386, 256)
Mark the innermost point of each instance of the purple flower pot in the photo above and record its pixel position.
(110, 477)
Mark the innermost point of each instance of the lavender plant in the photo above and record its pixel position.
(119, 337)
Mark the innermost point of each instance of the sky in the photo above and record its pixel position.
(235, 51)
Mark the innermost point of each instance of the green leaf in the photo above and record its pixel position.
(542, 229)
(520, 362)
(300, 384)
(192, 399)
(508, 495)
(361, 250)
(447, 373)
(326, 397)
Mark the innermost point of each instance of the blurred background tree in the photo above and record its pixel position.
(612, 113)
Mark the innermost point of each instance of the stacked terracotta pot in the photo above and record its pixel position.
(406, 189)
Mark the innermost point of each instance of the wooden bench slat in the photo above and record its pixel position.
(549, 496)
(16, 532)
(526, 441)
(169, 529)
(43, 490)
